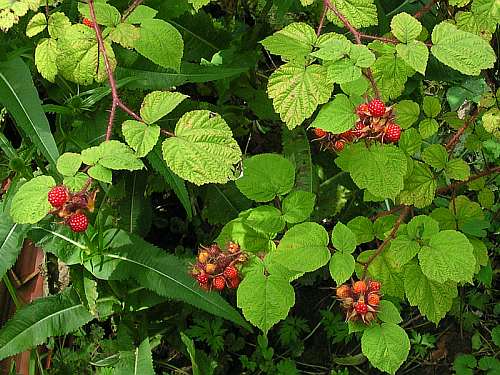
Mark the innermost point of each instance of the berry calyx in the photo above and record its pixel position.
(376, 108)
(88, 22)
(374, 286)
(373, 299)
(362, 109)
(219, 283)
(392, 132)
(57, 196)
(233, 247)
(343, 291)
(339, 145)
(230, 272)
(361, 308)
(202, 279)
(320, 133)
(78, 222)
(359, 287)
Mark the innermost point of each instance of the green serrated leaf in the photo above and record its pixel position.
(30, 203)
(449, 257)
(391, 73)
(343, 239)
(161, 43)
(436, 156)
(462, 51)
(402, 250)
(303, 248)
(69, 163)
(405, 27)
(457, 169)
(265, 300)
(410, 141)
(266, 176)
(420, 187)
(432, 298)
(267, 219)
(125, 34)
(415, 54)
(118, 156)
(293, 42)
(380, 169)
(428, 127)
(141, 137)
(388, 313)
(431, 106)
(249, 239)
(36, 25)
(158, 104)
(362, 227)
(140, 14)
(298, 206)
(46, 53)
(203, 149)
(341, 267)
(336, 116)
(360, 13)
(106, 14)
(57, 24)
(386, 346)
(297, 91)
(407, 113)
(77, 182)
(100, 173)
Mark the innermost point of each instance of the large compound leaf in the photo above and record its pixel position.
(297, 91)
(203, 149)
(129, 256)
(360, 13)
(19, 96)
(45, 317)
(390, 73)
(336, 116)
(463, 51)
(420, 186)
(380, 169)
(30, 203)
(293, 42)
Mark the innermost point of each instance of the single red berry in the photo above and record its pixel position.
(78, 222)
(202, 279)
(376, 107)
(343, 291)
(230, 272)
(234, 282)
(339, 145)
(57, 196)
(392, 132)
(320, 133)
(373, 299)
(219, 283)
(88, 22)
(374, 286)
(362, 109)
(359, 126)
(359, 287)
(361, 308)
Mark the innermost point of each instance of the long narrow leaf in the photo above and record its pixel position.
(45, 317)
(175, 182)
(136, 362)
(129, 256)
(11, 241)
(19, 96)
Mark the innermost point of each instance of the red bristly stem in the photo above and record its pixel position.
(131, 8)
(425, 8)
(386, 40)
(454, 185)
(450, 146)
(116, 101)
(390, 237)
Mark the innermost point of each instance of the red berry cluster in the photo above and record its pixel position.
(216, 269)
(376, 122)
(360, 300)
(72, 206)
(88, 22)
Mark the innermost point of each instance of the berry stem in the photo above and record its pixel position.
(450, 146)
(426, 8)
(454, 185)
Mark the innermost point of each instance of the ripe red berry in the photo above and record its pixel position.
(360, 126)
(219, 283)
(88, 22)
(339, 145)
(376, 107)
(78, 223)
(230, 272)
(392, 132)
(361, 308)
(202, 278)
(359, 287)
(320, 133)
(373, 299)
(57, 196)
(343, 291)
(374, 286)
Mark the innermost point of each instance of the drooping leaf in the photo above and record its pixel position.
(30, 203)
(388, 313)
(266, 176)
(265, 300)
(341, 267)
(158, 104)
(432, 298)
(141, 137)
(267, 219)
(457, 169)
(420, 186)
(407, 113)
(298, 206)
(343, 239)
(129, 256)
(46, 53)
(19, 96)
(36, 25)
(293, 42)
(463, 51)
(436, 156)
(69, 163)
(337, 116)
(405, 27)
(386, 346)
(297, 91)
(203, 149)
(297, 149)
(410, 141)
(303, 248)
(117, 156)
(135, 209)
(391, 73)
(415, 54)
(249, 238)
